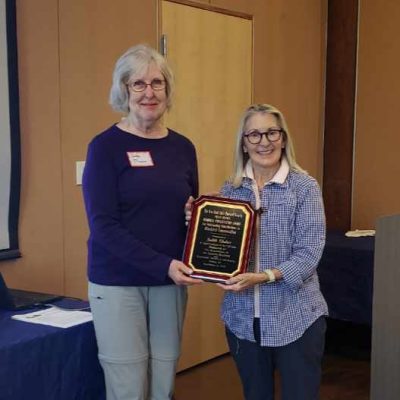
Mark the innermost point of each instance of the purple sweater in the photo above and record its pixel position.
(136, 213)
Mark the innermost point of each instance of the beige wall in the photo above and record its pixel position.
(93, 33)
(289, 67)
(65, 71)
(376, 189)
(41, 223)
(66, 51)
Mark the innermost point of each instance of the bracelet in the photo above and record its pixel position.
(270, 274)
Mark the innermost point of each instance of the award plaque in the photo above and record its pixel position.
(219, 238)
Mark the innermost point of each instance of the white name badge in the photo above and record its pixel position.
(140, 158)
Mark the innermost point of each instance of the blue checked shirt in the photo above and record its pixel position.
(291, 239)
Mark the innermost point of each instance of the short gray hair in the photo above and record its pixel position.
(134, 61)
(240, 157)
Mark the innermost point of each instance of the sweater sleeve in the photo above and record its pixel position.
(195, 175)
(101, 202)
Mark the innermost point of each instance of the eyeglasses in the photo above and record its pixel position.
(255, 136)
(140, 86)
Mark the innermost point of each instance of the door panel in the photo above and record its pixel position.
(211, 56)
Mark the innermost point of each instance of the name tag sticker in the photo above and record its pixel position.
(140, 158)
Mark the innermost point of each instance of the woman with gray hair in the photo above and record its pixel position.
(137, 179)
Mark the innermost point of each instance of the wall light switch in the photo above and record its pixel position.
(80, 165)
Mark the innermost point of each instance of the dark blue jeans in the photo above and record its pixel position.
(298, 363)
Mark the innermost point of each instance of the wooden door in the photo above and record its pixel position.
(211, 56)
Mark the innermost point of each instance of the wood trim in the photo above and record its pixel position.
(339, 112)
(210, 7)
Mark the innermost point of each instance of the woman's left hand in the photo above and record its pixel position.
(180, 274)
(243, 281)
(188, 209)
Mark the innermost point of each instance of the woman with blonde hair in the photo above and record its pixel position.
(274, 314)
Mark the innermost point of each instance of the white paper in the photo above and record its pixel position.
(56, 317)
(360, 233)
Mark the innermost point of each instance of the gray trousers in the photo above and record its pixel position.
(138, 332)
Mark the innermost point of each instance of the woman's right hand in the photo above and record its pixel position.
(243, 281)
(179, 273)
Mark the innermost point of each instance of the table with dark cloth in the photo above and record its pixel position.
(48, 363)
(346, 273)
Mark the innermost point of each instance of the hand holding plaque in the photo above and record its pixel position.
(219, 238)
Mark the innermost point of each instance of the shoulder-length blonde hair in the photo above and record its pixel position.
(241, 158)
(135, 60)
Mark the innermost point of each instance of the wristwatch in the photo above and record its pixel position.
(270, 274)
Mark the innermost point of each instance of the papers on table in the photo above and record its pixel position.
(360, 233)
(55, 317)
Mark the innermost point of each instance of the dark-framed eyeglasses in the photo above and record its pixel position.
(140, 86)
(254, 136)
